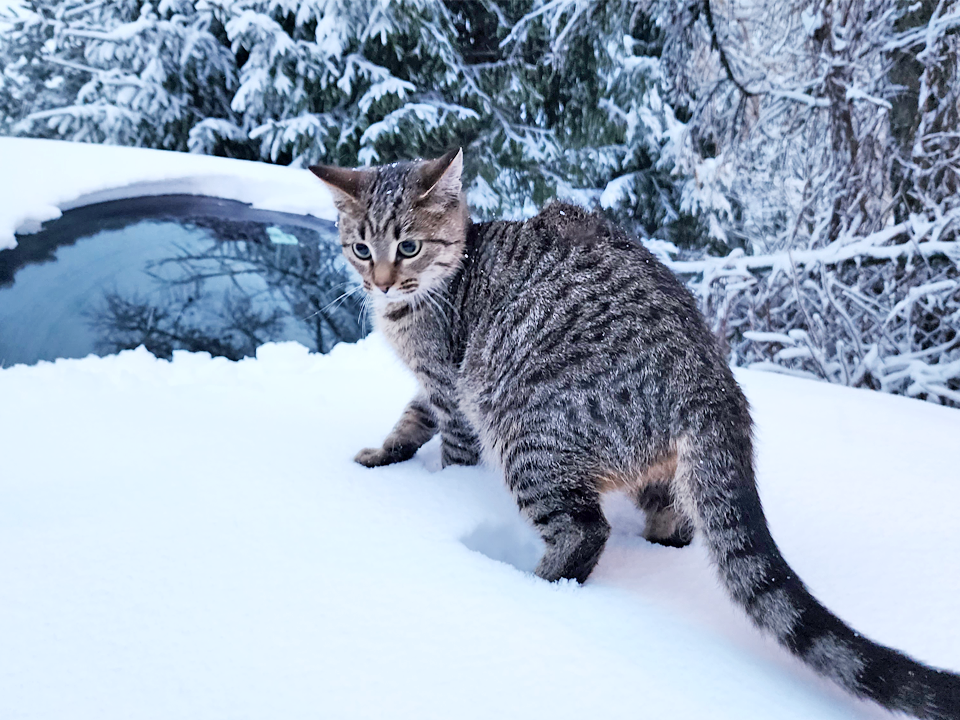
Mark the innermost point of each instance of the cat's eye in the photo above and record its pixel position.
(408, 248)
(362, 251)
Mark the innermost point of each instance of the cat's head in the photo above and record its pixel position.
(402, 226)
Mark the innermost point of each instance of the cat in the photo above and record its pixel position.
(563, 352)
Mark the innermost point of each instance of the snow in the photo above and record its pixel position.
(41, 178)
(191, 539)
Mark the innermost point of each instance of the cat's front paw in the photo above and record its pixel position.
(374, 457)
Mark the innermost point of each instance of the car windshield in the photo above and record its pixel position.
(175, 272)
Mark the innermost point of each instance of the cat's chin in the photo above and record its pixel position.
(381, 299)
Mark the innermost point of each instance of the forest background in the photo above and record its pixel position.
(797, 162)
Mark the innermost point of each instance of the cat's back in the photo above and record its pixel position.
(566, 259)
(570, 315)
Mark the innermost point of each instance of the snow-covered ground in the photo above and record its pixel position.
(41, 178)
(191, 540)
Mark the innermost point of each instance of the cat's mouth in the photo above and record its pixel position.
(412, 290)
(394, 295)
(417, 298)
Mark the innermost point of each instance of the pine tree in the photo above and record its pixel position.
(120, 72)
(549, 98)
(601, 110)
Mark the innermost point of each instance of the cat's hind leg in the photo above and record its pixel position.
(564, 507)
(666, 523)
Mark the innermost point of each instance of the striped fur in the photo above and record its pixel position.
(567, 355)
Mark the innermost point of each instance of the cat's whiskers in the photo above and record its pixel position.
(424, 299)
(341, 299)
(436, 293)
(364, 305)
(441, 313)
(433, 299)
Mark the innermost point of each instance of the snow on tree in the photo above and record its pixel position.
(547, 103)
(120, 72)
(286, 81)
(823, 140)
(602, 106)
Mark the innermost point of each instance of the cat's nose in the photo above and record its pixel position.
(384, 286)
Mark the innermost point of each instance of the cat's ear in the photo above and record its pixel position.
(440, 178)
(343, 183)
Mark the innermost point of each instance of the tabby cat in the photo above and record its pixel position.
(561, 351)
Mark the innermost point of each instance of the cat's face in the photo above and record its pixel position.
(402, 226)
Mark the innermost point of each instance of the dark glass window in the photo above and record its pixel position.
(175, 272)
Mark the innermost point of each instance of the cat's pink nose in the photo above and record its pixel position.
(383, 286)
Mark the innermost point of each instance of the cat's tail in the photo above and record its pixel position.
(716, 486)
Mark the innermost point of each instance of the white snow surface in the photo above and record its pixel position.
(41, 178)
(190, 539)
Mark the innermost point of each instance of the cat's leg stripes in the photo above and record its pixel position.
(563, 506)
(460, 444)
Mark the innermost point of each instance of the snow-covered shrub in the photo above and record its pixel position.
(874, 313)
(823, 139)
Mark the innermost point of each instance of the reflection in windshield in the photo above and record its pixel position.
(198, 274)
